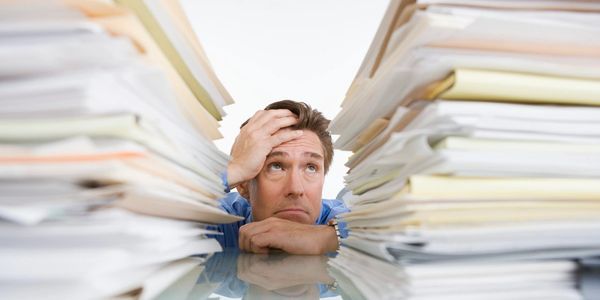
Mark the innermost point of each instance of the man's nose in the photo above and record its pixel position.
(295, 186)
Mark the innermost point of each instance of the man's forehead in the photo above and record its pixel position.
(308, 144)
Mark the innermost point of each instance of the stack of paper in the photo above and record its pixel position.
(376, 279)
(107, 166)
(482, 141)
(165, 20)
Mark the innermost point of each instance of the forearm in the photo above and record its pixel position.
(234, 177)
(288, 236)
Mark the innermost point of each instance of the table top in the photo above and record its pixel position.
(238, 275)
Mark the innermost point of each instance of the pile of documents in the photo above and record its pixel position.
(364, 277)
(480, 147)
(108, 172)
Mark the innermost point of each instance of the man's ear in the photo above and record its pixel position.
(242, 188)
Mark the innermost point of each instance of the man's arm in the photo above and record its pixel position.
(288, 236)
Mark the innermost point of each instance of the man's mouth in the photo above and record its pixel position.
(292, 210)
(294, 214)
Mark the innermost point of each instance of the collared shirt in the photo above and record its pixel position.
(237, 205)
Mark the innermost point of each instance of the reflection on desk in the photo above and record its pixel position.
(237, 275)
(232, 274)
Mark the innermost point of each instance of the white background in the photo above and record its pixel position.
(269, 50)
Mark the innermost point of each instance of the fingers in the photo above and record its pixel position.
(254, 237)
(253, 143)
(246, 233)
(279, 123)
(255, 140)
(264, 118)
(275, 113)
(262, 242)
(284, 136)
(249, 230)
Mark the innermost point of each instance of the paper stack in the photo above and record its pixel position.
(107, 169)
(481, 144)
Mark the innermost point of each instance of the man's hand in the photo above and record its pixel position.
(279, 271)
(288, 236)
(256, 140)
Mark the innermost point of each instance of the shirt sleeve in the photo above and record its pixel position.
(332, 208)
(233, 204)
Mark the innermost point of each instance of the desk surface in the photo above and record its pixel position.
(235, 275)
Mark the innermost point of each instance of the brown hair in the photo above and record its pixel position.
(310, 119)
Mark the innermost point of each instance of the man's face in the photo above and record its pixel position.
(290, 185)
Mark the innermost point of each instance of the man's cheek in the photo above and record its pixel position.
(267, 207)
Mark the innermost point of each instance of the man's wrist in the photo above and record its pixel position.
(334, 224)
(231, 177)
(331, 243)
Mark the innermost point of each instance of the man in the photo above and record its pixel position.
(278, 165)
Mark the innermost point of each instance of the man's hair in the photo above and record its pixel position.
(309, 119)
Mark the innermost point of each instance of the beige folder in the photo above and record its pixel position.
(486, 85)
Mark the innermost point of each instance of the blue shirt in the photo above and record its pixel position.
(237, 205)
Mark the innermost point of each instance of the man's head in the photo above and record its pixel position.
(290, 184)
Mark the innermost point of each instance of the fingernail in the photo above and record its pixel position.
(299, 132)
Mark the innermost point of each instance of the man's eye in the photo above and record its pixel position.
(312, 168)
(275, 167)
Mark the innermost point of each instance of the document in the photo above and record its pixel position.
(109, 178)
(474, 130)
(482, 85)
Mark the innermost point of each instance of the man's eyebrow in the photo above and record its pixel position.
(281, 153)
(277, 153)
(313, 155)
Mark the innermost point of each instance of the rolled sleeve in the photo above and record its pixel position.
(331, 209)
